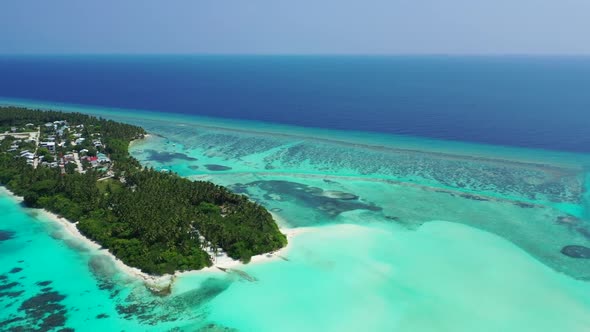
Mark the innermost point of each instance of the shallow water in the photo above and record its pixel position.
(400, 234)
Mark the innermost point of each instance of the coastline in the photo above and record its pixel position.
(160, 284)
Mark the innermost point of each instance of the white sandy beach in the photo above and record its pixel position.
(160, 282)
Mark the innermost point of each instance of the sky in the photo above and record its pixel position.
(295, 26)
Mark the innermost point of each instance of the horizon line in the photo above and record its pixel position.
(309, 54)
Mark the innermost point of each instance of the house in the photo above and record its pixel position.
(102, 158)
(30, 125)
(84, 151)
(28, 155)
(13, 129)
(52, 164)
(80, 140)
(49, 124)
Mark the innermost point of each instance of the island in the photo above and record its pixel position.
(78, 166)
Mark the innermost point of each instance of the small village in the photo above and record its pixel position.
(72, 148)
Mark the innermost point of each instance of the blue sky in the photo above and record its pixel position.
(296, 26)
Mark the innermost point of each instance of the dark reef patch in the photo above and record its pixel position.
(16, 270)
(102, 316)
(44, 283)
(567, 219)
(8, 286)
(524, 205)
(211, 327)
(584, 232)
(153, 311)
(11, 295)
(330, 203)
(213, 167)
(47, 300)
(42, 312)
(576, 251)
(194, 167)
(8, 322)
(474, 197)
(209, 290)
(165, 157)
(6, 235)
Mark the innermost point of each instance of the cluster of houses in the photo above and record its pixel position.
(16, 144)
(54, 138)
(97, 161)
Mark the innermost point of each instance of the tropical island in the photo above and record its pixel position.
(78, 166)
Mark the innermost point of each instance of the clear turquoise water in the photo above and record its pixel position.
(400, 234)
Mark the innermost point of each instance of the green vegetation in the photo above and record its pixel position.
(151, 220)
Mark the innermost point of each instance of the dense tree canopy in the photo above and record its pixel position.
(151, 220)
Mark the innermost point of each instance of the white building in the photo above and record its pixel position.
(49, 146)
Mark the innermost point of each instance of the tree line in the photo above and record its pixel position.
(151, 220)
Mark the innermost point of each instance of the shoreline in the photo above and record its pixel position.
(161, 284)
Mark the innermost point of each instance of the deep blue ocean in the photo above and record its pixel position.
(539, 102)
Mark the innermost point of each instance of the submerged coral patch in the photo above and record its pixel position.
(42, 312)
(151, 311)
(576, 251)
(329, 202)
(166, 157)
(214, 167)
(6, 235)
(211, 327)
(8, 285)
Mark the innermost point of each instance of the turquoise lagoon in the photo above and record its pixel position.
(397, 234)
